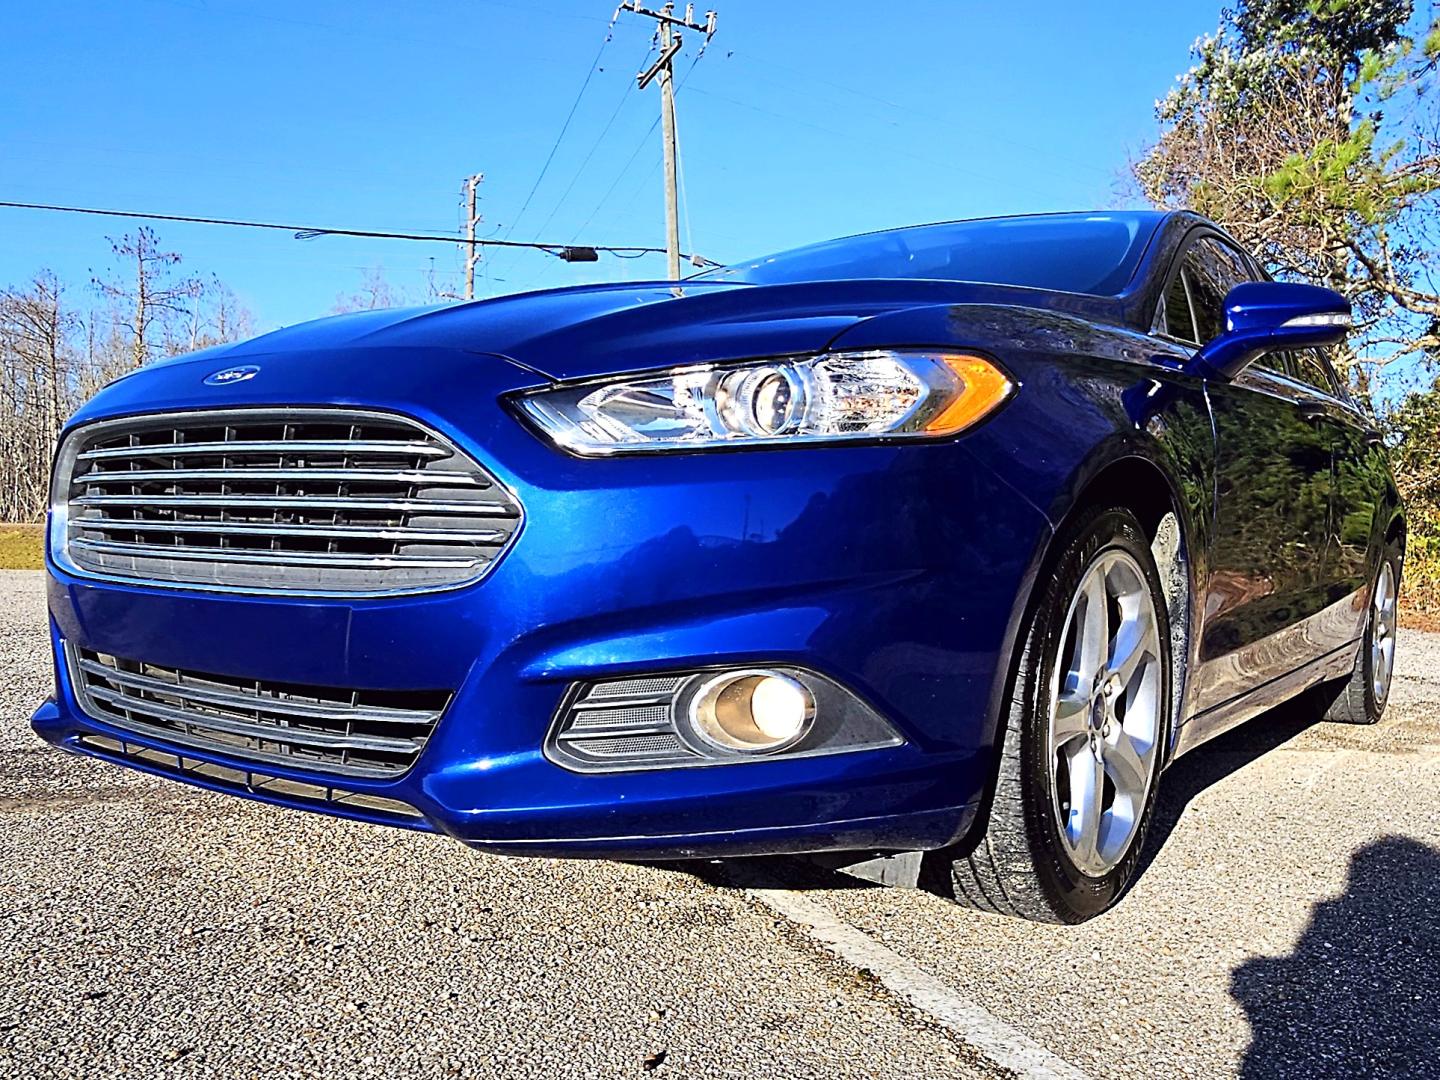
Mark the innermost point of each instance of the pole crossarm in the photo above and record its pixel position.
(663, 62)
(666, 15)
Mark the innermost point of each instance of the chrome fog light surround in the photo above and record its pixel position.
(754, 711)
(710, 716)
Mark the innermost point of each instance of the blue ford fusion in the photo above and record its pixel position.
(942, 541)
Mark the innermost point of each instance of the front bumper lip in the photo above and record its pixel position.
(508, 831)
(483, 779)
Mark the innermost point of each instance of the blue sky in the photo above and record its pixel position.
(803, 121)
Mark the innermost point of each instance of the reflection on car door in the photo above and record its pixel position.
(1357, 490)
(1266, 576)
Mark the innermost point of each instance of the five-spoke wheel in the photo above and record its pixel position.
(1382, 631)
(1105, 717)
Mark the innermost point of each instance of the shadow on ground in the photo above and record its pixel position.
(1357, 996)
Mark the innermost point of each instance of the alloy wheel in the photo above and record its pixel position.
(1105, 713)
(1382, 632)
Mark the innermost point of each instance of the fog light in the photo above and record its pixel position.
(752, 711)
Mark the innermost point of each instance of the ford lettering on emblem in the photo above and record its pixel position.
(232, 375)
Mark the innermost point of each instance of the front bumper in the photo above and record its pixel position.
(893, 570)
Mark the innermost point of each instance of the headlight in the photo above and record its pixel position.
(846, 395)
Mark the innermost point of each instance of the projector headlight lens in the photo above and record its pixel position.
(835, 396)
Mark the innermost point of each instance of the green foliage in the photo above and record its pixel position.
(1413, 428)
(1346, 175)
(1306, 127)
(1343, 29)
(1413, 432)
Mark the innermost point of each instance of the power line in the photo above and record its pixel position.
(679, 164)
(308, 232)
(624, 97)
(644, 141)
(574, 105)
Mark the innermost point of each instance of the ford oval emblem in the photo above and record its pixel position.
(232, 375)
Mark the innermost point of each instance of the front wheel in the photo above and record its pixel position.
(1084, 730)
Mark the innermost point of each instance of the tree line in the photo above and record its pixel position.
(1310, 129)
(59, 345)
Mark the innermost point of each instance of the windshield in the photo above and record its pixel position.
(1081, 253)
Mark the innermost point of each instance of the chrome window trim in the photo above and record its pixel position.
(1312, 393)
(57, 531)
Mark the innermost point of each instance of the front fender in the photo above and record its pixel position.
(1094, 400)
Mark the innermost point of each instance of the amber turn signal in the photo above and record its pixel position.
(982, 387)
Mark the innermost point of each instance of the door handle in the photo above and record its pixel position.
(1374, 437)
(1312, 411)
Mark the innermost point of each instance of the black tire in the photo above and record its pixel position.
(1352, 700)
(1018, 866)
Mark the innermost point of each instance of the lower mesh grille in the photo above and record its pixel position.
(621, 724)
(310, 796)
(362, 733)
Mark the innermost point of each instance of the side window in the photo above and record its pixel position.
(1212, 270)
(1173, 317)
(1308, 366)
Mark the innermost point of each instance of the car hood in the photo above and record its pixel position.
(598, 330)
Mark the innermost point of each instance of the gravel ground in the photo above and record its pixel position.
(1288, 924)
(147, 928)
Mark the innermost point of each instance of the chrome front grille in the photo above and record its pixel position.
(313, 501)
(362, 733)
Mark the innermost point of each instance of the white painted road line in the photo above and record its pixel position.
(992, 1037)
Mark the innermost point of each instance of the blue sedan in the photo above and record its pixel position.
(942, 541)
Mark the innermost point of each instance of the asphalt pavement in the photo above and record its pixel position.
(1288, 924)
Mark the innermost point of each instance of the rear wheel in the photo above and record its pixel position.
(1361, 698)
(1084, 728)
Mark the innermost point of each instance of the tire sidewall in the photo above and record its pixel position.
(1076, 895)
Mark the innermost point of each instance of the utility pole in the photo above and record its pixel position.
(472, 219)
(668, 32)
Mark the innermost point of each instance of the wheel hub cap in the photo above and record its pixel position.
(1105, 713)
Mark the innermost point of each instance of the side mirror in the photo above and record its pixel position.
(1267, 316)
